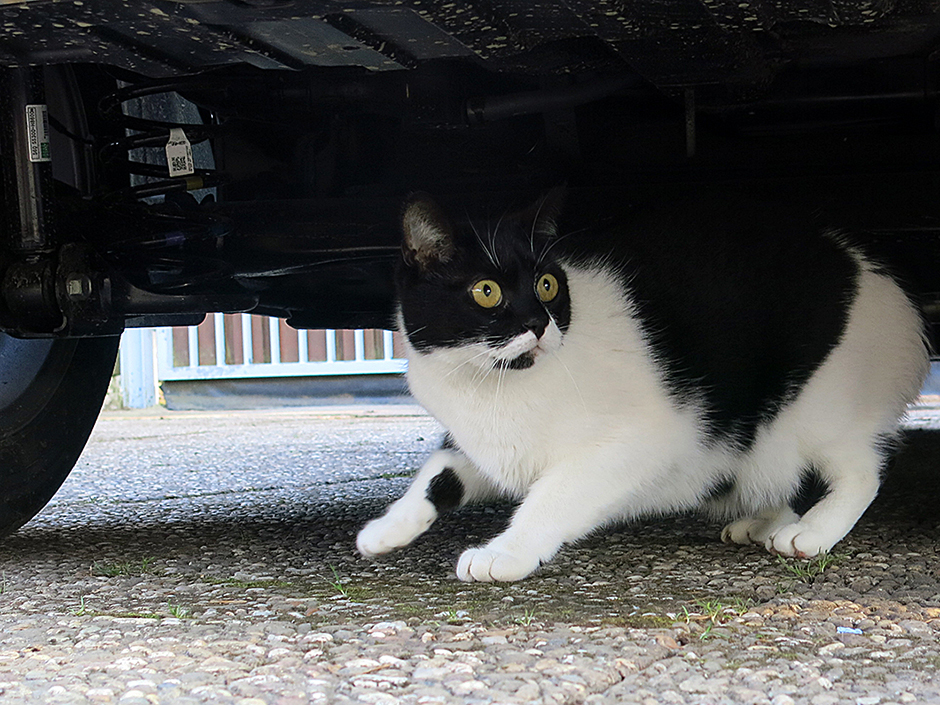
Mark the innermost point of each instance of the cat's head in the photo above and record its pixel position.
(492, 290)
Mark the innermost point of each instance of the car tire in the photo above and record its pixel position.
(51, 392)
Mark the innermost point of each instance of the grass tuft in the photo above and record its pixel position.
(177, 610)
(714, 612)
(525, 619)
(337, 583)
(807, 570)
(81, 610)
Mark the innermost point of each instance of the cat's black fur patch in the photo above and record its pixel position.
(445, 490)
(812, 489)
(724, 487)
(713, 291)
(523, 362)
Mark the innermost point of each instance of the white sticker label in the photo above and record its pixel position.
(179, 154)
(37, 133)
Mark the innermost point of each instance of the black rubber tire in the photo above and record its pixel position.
(50, 394)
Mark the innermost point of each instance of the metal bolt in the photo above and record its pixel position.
(78, 286)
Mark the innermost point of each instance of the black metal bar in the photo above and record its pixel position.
(491, 108)
(26, 161)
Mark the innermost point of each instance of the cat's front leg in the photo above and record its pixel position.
(561, 507)
(446, 480)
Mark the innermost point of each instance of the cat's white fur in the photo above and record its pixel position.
(589, 435)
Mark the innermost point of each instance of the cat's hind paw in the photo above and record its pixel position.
(749, 530)
(759, 528)
(394, 530)
(487, 565)
(743, 531)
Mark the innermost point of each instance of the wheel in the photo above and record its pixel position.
(50, 394)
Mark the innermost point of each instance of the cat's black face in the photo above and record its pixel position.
(491, 286)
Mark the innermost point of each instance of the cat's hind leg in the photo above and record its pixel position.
(446, 480)
(759, 527)
(852, 473)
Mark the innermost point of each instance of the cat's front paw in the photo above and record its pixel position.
(393, 530)
(488, 565)
(797, 541)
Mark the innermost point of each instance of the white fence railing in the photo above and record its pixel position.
(232, 346)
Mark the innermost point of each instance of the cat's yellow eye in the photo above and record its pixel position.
(487, 293)
(547, 287)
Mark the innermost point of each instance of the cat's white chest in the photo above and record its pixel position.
(504, 426)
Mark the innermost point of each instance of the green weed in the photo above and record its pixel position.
(81, 610)
(525, 619)
(176, 610)
(807, 570)
(337, 583)
(138, 615)
(714, 612)
(124, 568)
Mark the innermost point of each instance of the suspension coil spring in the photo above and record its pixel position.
(145, 132)
(169, 245)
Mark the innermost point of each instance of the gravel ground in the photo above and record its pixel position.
(210, 558)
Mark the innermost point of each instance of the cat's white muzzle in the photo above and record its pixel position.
(529, 344)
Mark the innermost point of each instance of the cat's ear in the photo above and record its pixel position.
(428, 233)
(543, 215)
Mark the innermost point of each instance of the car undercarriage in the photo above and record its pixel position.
(166, 159)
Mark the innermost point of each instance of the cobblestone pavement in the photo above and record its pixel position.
(210, 558)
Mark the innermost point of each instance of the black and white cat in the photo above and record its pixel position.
(644, 366)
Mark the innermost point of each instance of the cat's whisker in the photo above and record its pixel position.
(551, 244)
(458, 368)
(480, 373)
(486, 372)
(535, 220)
(490, 249)
(486, 251)
(410, 333)
(493, 234)
(476, 357)
(574, 382)
(500, 372)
